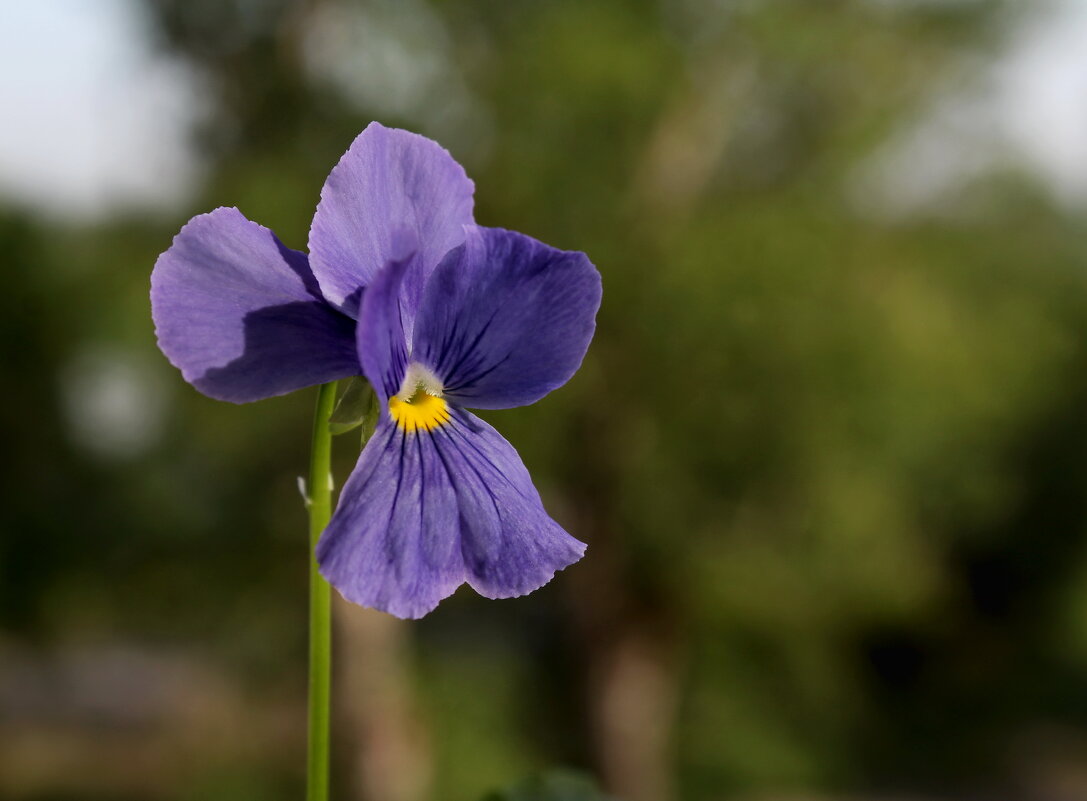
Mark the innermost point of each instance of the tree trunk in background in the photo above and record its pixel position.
(633, 697)
(628, 642)
(632, 685)
(389, 753)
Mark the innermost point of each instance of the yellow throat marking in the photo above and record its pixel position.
(421, 412)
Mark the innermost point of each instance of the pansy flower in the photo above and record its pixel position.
(440, 315)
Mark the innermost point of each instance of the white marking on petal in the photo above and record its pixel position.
(418, 378)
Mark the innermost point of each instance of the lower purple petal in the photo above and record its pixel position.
(391, 544)
(424, 512)
(509, 543)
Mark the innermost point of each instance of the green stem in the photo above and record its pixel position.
(319, 503)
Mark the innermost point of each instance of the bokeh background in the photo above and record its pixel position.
(828, 449)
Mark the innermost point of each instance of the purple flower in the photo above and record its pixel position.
(439, 314)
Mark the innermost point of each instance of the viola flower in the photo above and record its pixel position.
(440, 315)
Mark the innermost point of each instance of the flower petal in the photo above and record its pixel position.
(423, 512)
(392, 543)
(241, 315)
(505, 319)
(388, 180)
(509, 543)
(380, 339)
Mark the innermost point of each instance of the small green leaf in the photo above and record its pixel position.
(555, 785)
(356, 406)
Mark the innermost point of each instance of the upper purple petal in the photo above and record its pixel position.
(381, 342)
(423, 512)
(505, 319)
(241, 315)
(387, 181)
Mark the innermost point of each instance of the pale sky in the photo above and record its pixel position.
(1027, 107)
(95, 122)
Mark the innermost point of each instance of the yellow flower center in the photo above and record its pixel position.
(421, 412)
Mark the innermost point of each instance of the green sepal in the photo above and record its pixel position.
(369, 422)
(356, 406)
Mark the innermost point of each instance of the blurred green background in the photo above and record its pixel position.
(828, 449)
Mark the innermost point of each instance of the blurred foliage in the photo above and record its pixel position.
(556, 786)
(835, 460)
